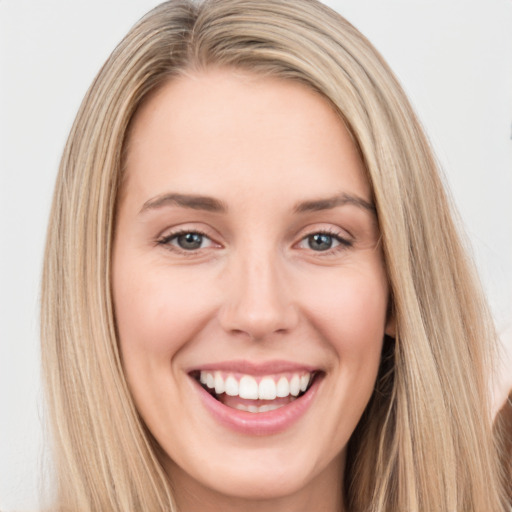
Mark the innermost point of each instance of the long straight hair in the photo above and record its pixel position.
(424, 442)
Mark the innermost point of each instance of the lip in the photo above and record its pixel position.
(255, 368)
(263, 423)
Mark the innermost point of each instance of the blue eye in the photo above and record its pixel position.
(186, 241)
(321, 242)
(189, 241)
(324, 242)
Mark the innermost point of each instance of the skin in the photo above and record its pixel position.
(256, 289)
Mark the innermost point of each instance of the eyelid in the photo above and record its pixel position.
(328, 229)
(344, 239)
(170, 234)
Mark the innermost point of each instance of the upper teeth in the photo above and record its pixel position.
(247, 386)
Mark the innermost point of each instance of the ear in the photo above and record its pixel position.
(390, 329)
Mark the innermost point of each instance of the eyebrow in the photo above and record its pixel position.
(334, 201)
(194, 202)
(210, 204)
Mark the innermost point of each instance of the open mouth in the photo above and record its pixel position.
(255, 394)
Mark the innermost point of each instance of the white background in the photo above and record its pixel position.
(454, 58)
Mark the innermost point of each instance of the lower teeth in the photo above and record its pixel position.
(253, 406)
(256, 408)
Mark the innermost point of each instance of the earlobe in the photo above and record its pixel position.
(390, 329)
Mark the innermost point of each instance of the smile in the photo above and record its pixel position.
(259, 394)
(257, 403)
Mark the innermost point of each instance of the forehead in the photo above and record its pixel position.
(221, 131)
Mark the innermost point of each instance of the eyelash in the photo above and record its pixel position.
(166, 241)
(344, 243)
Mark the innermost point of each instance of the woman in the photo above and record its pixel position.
(254, 293)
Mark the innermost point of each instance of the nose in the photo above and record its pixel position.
(258, 302)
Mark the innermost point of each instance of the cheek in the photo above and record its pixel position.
(158, 311)
(350, 311)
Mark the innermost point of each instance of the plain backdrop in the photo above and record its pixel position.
(454, 58)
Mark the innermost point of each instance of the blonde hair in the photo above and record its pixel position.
(424, 442)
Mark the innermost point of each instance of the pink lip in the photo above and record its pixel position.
(263, 423)
(252, 368)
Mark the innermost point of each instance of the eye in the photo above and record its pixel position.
(189, 241)
(186, 241)
(323, 242)
(320, 241)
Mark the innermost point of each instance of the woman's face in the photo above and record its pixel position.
(247, 269)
